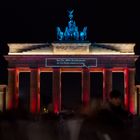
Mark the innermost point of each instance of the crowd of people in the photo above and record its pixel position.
(96, 121)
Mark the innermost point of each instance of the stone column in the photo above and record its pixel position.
(56, 90)
(126, 88)
(16, 88)
(131, 88)
(107, 83)
(38, 93)
(85, 86)
(34, 91)
(11, 96)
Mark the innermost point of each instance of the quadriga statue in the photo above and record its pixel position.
(71, 31)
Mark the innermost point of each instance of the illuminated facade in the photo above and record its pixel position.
(71, 54)
(106, 58)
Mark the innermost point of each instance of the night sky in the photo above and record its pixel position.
(36, 21)
(31, 21)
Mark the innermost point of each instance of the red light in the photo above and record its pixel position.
(56, 107)
(33, 105)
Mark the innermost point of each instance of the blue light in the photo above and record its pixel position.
(71, 31)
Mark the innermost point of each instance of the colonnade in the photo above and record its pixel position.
(12, 98)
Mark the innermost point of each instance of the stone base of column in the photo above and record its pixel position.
(3, 92)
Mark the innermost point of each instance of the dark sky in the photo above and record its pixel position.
(31, 21)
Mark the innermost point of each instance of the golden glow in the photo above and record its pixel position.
(96, 49)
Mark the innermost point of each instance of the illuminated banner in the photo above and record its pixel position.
(71, 62)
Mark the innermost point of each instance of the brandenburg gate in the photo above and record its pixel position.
(71, 53)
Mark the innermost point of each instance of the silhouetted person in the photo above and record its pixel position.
(46, 128)
(94, 127)
(13, 128)
(109, 122)
(117, 117)
(117, 109)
